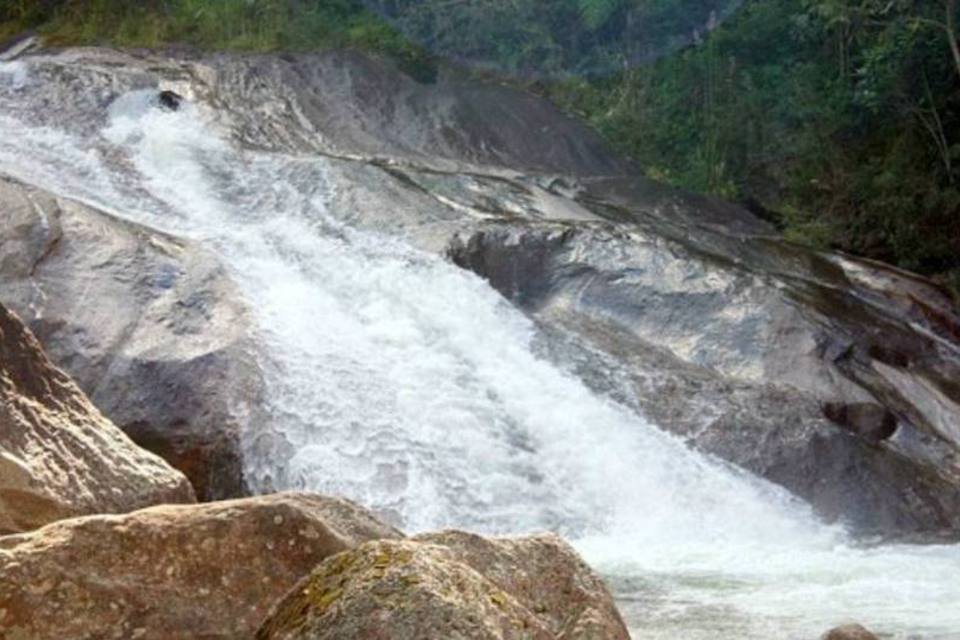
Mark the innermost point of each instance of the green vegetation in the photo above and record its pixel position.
(839, 120)
(244, 25)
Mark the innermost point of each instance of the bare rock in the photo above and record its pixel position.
(546, 576)
(462, 587)
(59, 457)
(149, 325)
(199, 571)
(849, 632)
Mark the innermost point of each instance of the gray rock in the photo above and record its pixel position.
(149, 326)
(831, 376)
(819, 372)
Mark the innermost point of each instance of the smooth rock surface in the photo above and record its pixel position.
(831, 376)
(767, 355)
(150, 327)
(171, 572)
(59, 457)
(406, 590)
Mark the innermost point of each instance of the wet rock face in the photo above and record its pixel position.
(348, 103)
(169, 100)
(447, 586)
(201, 571)
(148, 325)
(833, 377)
(59, 457)
(817, 372)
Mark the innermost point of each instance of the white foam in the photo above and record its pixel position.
(14, 74)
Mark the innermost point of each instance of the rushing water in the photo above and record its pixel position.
(412, 387)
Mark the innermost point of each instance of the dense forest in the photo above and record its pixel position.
(838, 120)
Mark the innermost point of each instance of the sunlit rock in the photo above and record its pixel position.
(201, 571)
(470, 589)
(59, 457)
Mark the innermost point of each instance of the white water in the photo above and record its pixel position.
(411, 387)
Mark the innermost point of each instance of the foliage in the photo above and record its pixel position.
(843, 116)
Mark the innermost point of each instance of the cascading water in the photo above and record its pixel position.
(412, 387)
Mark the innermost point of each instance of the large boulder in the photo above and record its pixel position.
(200, 571)
(449, 586)
(545, 575)
(150, 327)
(59, 457)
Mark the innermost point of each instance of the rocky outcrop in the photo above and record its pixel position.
(831, 376)
(349, 104)
(815, 371)
(201, 571)
(149, 326)
(449, 585)
(849, 632)
(59, 457)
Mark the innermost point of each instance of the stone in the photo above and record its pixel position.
(59, 457)
(812, 371)
(546, 576)
(169, 100)
(172, 572)
(164, 352)
(450, 584)
(849, 632)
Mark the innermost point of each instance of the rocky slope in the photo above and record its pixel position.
(834, 377)
(59, 457)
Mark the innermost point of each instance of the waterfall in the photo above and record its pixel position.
(413, 388)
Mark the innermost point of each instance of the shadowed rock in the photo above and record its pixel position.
(173, 572)
(169, 100)
(59, 457)
(869, 421)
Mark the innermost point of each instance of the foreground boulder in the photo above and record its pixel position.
(545, 575)
(200, 571)
(59, 457)
(474, 589)
(164, 349)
